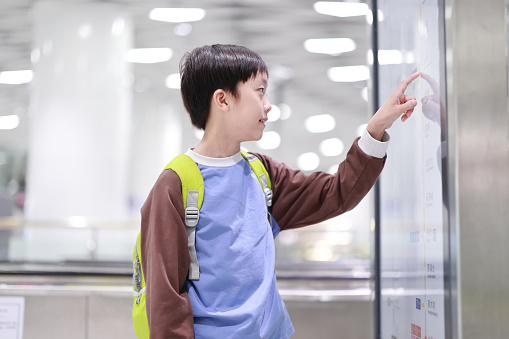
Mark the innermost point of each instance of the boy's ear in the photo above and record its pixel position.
(220, 99)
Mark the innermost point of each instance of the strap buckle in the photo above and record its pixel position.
(268, 196)
(192, 216)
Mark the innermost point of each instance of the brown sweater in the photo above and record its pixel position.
(298, 200)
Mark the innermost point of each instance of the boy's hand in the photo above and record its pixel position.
(398, 104)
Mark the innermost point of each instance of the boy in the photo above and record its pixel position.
(224, 91)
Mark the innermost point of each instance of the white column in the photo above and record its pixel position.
(80, 112)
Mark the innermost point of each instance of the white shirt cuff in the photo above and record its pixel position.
(373, 147)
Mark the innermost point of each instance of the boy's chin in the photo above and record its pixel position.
(253, 138)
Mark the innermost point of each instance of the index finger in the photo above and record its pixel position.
(404, 84)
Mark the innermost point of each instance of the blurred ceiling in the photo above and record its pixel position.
(274, 29)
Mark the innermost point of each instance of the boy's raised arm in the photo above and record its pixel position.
(300, 199)
(165, 260)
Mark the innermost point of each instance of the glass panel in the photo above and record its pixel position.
(411, 200)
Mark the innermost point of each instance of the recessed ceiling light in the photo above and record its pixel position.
(348, 73)
(369, 17)
(320, 123)
(329, 46)
(177, 14)
(409, 57)
(286, 111)
(183, 29)
(308, 161)
(274, 114)
(269, 140)
(333, 169)
(149, 55)
(390, 57)
(341, 9)
(386, 57)
(16, 77)
(173, 81)
(331, 147)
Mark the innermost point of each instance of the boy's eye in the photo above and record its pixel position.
(262, 90)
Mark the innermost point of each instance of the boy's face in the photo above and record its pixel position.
(250, 108)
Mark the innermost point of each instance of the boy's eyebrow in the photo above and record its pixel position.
(264, 80)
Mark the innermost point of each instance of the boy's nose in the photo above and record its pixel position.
(267, 107)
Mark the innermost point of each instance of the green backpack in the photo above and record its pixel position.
(192, 194)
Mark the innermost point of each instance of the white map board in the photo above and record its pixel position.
(12, 314)
(411, 201)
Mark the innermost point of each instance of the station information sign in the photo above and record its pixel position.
(412, 204)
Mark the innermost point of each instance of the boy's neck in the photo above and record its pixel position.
(215, 146)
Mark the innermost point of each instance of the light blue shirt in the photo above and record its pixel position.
(236, 295)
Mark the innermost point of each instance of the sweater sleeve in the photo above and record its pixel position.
(165, 260)
(300, 199)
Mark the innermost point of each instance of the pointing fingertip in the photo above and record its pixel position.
(414, 102)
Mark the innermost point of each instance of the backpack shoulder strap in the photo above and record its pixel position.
(190, 176)
(262, 175)
(192, 194)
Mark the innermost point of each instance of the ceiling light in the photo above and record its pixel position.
(348, 73)
(9, 122)
(369, 57)
(333, 169)
(329, 46)
(149, 55)
(308, 161)
(274, 114)
(269, 140)
(320, 123)
(390, 57)
(183, 29)
(173, 81)
(177, 14)
(16, 77)
(369, 17)
(409, 57)
(286, 111)
(341, 9)
(331, 147)
(386, 57)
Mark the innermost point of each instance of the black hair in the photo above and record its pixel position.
(208, 68)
